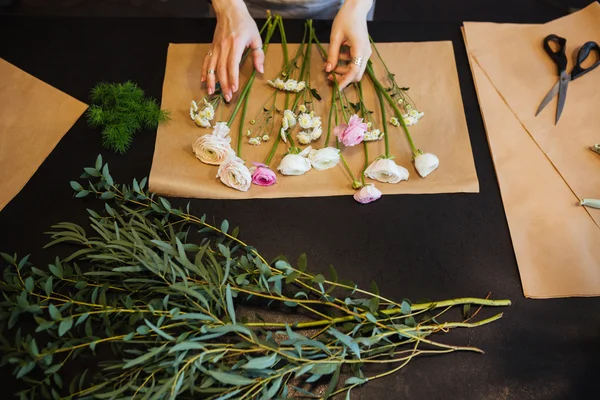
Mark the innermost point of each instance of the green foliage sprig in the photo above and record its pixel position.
(121, 110)
(165, 291)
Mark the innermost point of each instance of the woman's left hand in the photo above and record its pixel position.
(350, 29)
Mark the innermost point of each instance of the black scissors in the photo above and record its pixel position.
(560, 59)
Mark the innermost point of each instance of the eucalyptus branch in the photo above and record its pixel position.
(164, 290)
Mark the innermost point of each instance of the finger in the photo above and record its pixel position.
(342, 69)
(363, 51)
(222, 71)
(334, 50)
(205, 65)
(348, 77)
(210, 71)
(258, 55)
(235, 55)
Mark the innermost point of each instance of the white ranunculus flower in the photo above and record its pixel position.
(234, 173)
(426, 163)
(221, 129)
(305, 121)
(295, 164)
(291, 85)
(316, 133)
(211, 149)
(304, 138)
(325, 158)
(387, 171)
(300, 87)
(202, 122)
(291, 118)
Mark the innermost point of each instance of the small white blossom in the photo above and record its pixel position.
(305, 120)
(304, 138)
(194, 106)
(302, 108)
(316, 133)
(291, 118)
(394, 121)
(248, 132)
(375, 134)
(283, 135)
(202, 122)
(265, 138)
(316, 122)
(300, 87)
(369, 124)
(291, 85)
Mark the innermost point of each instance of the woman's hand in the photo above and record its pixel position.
(350, 29)
(235, 31)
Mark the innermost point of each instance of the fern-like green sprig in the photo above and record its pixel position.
(121, 110)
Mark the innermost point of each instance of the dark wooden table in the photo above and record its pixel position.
(415, 246)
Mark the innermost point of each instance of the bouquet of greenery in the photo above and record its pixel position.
(157, 301)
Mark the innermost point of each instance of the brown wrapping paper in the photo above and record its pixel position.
(555, 241)
(28, 131)
(523, 73)
(431, 74)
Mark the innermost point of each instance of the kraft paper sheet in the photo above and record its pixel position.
(427, 68)
(523, 73)
(34, 116)
(556, 242)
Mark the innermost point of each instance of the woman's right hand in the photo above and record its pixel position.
(235, 32)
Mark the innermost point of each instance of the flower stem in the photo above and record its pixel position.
(382, 90)
(384, 123)
(241, 128)
(331, 108)
(346, 166)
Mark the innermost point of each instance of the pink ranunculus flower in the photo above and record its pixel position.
(352, 133)
(262, 175)
(367, 194)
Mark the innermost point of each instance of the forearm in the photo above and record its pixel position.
(359, 5)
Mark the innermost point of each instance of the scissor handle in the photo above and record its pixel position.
(582, 55)
(559, 56)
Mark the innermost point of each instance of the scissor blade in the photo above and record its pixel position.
(548, 98)
(562, 97)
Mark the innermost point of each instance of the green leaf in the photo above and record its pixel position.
(405, 308)
(159, 331)
(25, 369)
(145, 357)
(81, 318)
(303, 370)
(261, 362)
(196, 316)
(107, 195)
(143, 183)
(346, 340)
(230, 308)
(230, 379)
(23, 262)
(65, 325)
(303, 263)
(466, 311)
(187, 346)
(99, 162)
(33, 348)
(54, 313)
(106, 175)
(53, 369)
(371, 318)
(83, 193)
(319, 279)
(76, 186)
(332, 384)
(143, 330)
(374, 288)
(29, 284)
(42, 324)
(93, 172)
(55, 271)
(224, 226)
(58, 381)
(354, 381)
(48, 286)
(129, 336)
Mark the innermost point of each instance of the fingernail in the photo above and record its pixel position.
(261, 69)
(234, 88)
(227, 97)
(203, 79)
(210, 90)
(328, 67)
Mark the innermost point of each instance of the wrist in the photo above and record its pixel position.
(223, 6)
